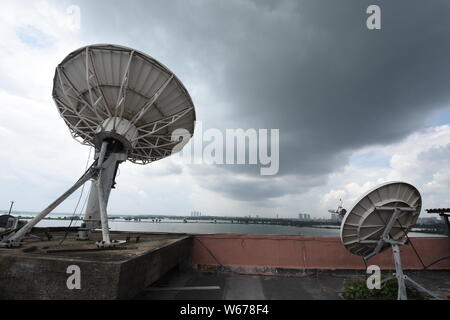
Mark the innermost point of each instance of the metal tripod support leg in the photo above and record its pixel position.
(401, 294)
(92, 219)
(103, 172)
(402, 278)
(100, 191)
(16, 238)
(103, 214)
(386, 238)
(418, 286)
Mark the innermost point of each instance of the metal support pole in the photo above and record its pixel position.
(101, 157)
(10, 208)
(103, 213)
(447, 223)
(102, 190)
(92, 218)
(401, 295)
(96, 210)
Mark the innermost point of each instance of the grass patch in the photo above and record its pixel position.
(356, 289)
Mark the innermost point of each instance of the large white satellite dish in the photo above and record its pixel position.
(125, 104)
(109, 91)
(380, 219)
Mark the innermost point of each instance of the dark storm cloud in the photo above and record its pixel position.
(310, 68)
(257, 190)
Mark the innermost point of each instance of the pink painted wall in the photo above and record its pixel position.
(299, 252)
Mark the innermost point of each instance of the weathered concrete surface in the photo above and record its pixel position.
(266, 254)
(311, 285)
(38, 269)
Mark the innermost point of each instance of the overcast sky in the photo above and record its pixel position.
(355, 107)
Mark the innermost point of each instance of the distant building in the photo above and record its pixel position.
(335, 217)
(304, 216)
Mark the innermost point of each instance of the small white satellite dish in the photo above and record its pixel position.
(365, 222)
(129, 107)
(380, 219)
(341, 211)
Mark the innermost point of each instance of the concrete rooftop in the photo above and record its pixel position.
(313, 285)
(202, 267)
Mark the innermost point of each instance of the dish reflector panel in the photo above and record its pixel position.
(109, 91)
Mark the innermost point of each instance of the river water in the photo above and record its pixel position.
(201, 227)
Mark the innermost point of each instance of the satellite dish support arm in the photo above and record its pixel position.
(16, 238)
(104, 167)
(385, 238)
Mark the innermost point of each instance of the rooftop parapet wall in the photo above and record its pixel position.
(266, 252)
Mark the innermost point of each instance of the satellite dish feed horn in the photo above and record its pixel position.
(129, 107)
(381, 219)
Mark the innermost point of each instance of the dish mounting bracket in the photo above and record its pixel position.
(386, 238)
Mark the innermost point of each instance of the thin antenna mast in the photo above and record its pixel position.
(10, 208)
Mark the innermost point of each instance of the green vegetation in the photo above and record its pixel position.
(356, 289)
